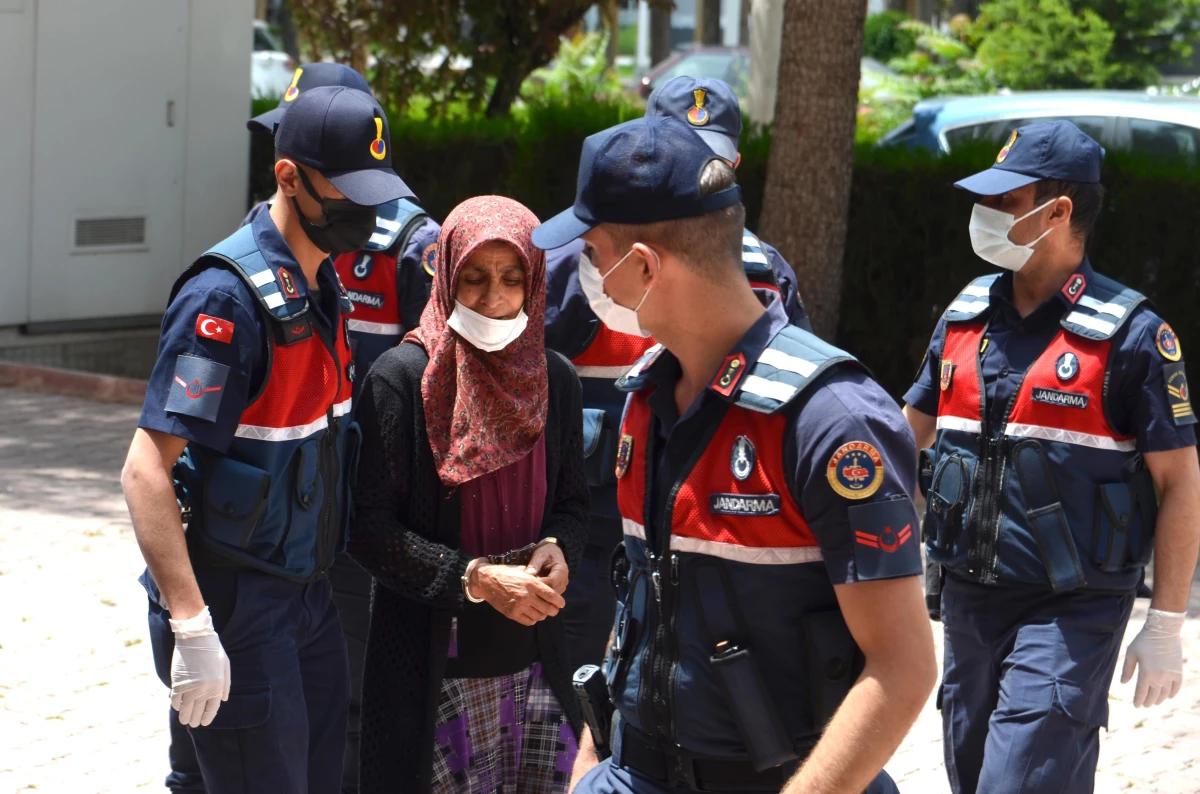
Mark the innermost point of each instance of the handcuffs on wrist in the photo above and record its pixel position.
(520, 556)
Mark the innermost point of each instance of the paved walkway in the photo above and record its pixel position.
(81, 711)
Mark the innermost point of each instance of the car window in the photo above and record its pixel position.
(704, 64)
(997, 132)
(1164, 139)
(264, 41)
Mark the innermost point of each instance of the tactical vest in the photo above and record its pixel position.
(277, 500)
(726, 587)
(1055, 497)
(608, 356)
(371, 279)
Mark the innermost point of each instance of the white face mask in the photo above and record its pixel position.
(989, 236)
(483, 332)
(616, 317)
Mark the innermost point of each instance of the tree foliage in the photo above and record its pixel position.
(475, 52)
(885, 37)
(1085, 43)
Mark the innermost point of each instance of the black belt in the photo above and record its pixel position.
(697, 772)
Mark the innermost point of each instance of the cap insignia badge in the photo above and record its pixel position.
(378, 147)
(1000, 158)
(698, 115)
(293, 91)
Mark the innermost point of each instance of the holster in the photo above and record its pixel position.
(935, 577)
(597, 706)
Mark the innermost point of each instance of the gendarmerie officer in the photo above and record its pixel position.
(1055, 402)
(248, 412)
(388, 282)
(603, 349)
(770, 633)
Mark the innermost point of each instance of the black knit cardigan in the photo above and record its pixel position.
(405, 531)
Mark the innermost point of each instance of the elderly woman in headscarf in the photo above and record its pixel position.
(469, 509)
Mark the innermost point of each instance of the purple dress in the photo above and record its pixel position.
(505, 734)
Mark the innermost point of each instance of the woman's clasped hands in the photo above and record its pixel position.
(527, 594)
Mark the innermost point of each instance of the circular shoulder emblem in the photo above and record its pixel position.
(428, 257)
(856, 470)
(1168, 343)
(1067, 366)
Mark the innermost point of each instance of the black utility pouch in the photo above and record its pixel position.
(599, 448)
(934, 579)
(1114, 519)
(753, 708)
(926, 461)
(1047, 518)
(834, 662)
(946, 502)
(1145, 501)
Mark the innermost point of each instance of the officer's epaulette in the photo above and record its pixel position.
(635, 378)
(1101, 306)
(394, 221)
(972, 301)
(793, 361)
(754, 258)
(241, 254)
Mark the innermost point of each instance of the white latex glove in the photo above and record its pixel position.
(199, 670)
(1158, 651)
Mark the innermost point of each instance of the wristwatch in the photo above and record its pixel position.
(520, 556)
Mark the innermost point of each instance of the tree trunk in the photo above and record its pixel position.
(508, 87)
(287, 30)
(806, 198)
(609, 12)
(708, 22)
(744, 32)
(660, 34)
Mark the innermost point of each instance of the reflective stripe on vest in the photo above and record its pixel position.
(610, 354)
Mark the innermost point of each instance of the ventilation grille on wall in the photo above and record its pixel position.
(108, 233)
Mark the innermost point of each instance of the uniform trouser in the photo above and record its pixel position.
(591, 602)
(352, 594)
(608, 778)
(1025, 687)
(283, 728)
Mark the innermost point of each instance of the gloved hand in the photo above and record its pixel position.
(1158, 651)
(199, 670)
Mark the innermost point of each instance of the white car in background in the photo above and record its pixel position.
(271, 68)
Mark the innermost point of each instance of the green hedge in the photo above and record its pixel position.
(907, 254)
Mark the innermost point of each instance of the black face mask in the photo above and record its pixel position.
(347, 227)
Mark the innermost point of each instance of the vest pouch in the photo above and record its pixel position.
(1113, 523)
(599, 448)
(946, 503)
(306, 499)
(926, 462)
(1046, 517)
(833, 662)
(753, 707)
(235, 497)
(626, 634)
(1145, 508)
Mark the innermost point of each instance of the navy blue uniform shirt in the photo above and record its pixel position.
(222, 295)
(571, 325)
(847, 406)
(1138, 403)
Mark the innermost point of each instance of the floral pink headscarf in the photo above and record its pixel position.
(483, 411)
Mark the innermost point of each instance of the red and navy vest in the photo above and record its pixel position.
(277, 500)
(1056, 496)
(610, 354)
(371, 280)
(731, 531)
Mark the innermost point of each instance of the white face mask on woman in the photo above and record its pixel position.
(483, 332)
(989, 236)
(616, 317)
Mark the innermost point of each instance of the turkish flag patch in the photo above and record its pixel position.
(214, 328)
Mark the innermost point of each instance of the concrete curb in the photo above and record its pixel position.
(101, 388)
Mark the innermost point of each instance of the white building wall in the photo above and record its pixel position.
(16, 167)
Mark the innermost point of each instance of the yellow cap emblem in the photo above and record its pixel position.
(378, 147)
(698, 115)
(292, 91)
(1000, 158)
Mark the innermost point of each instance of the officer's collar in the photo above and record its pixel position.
(277, 253)
(751, 346)
(1001, 292)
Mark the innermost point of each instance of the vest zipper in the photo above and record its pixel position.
(329, 461)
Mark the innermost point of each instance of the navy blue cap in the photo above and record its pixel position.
(709, 105)
(311, 75)
(1054, 150)
(343, 134)
(643, 171)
